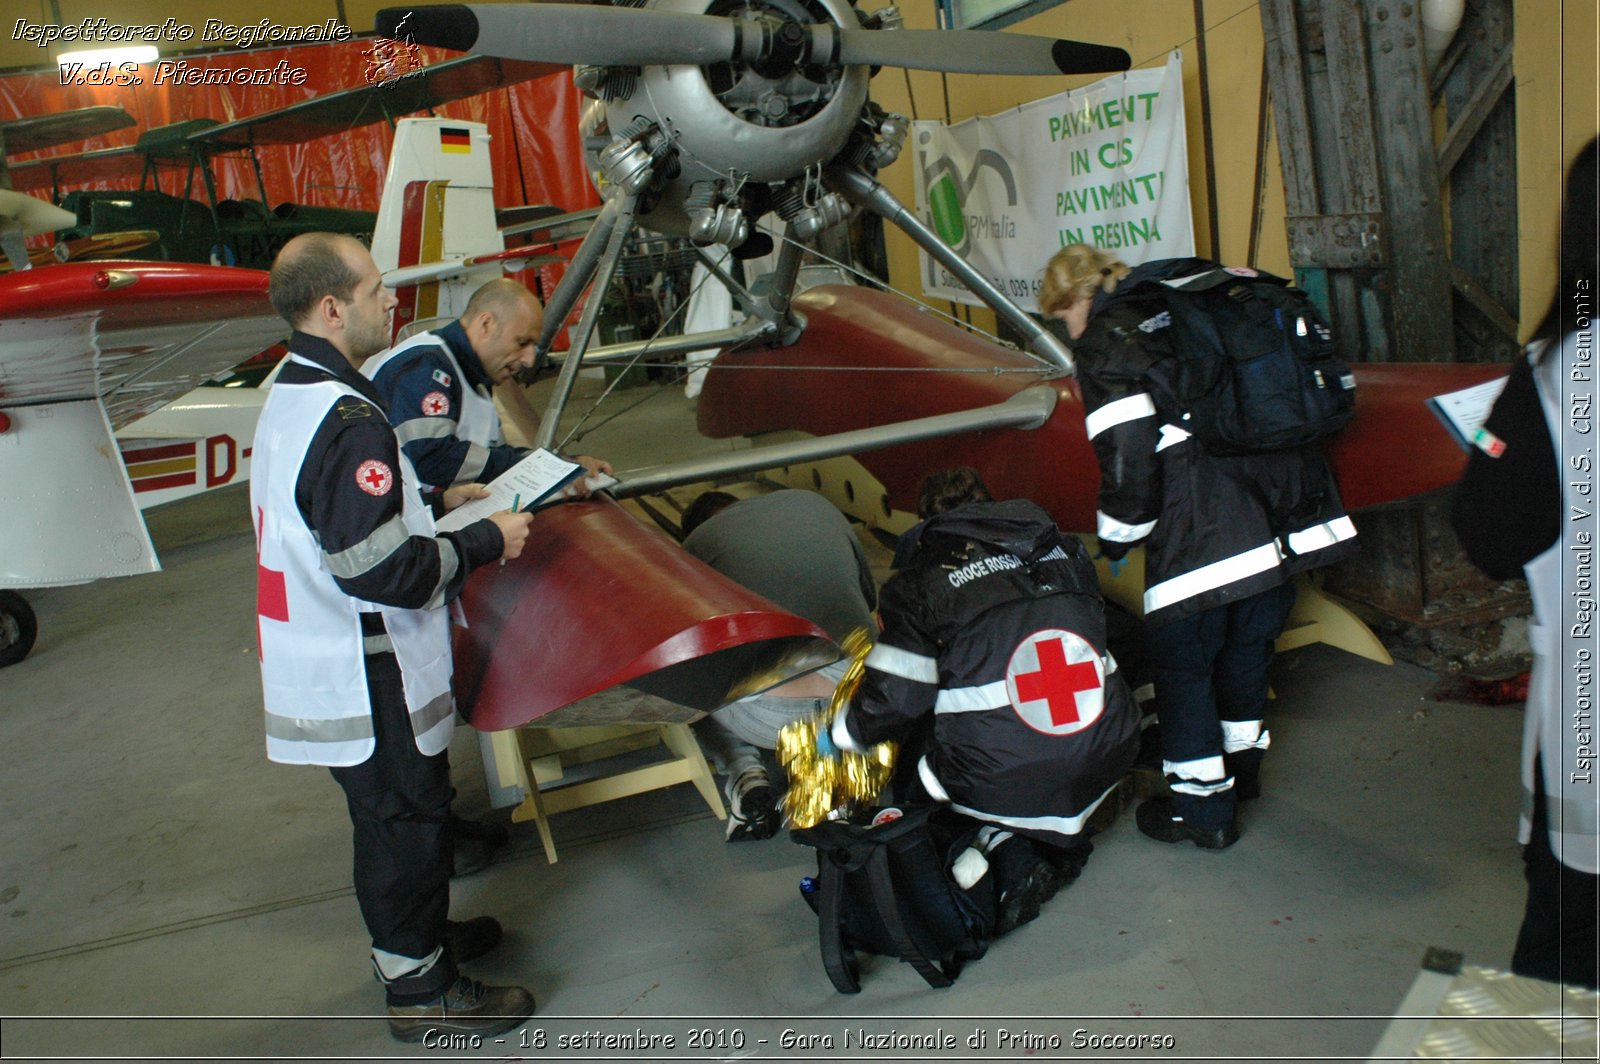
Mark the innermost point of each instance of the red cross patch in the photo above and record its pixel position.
(374, 477)
(435, 403)
(1056, 680)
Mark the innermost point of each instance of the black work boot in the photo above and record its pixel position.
(466, 1007)
(1159, 819)
(752, 807)
(1024, 882)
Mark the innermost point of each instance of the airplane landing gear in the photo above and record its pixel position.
(18, 627)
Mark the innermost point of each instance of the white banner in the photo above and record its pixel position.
(1105, 165)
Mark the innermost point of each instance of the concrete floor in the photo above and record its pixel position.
(165, 891)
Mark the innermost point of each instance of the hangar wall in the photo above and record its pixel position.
(1555, 66)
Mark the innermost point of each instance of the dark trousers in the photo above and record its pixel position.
(399, 801)
(1558, 939)
(1209, 668)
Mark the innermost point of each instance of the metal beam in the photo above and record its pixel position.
(604, 265)
(863, 191)
(1486, 304)
(1337, 241)
(746, 331)
(1421, 315)
(1028, 409)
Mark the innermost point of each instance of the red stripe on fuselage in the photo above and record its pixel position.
(150, 454)
(175, 480)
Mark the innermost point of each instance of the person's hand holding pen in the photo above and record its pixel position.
(514, 526)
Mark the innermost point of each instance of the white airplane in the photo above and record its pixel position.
(85, 347)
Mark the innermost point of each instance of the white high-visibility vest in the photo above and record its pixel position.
(314, 682)
(477, 421)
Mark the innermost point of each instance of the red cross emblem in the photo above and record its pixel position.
(1056, 680)
(374, 477)
(272, 594)
(435, 403)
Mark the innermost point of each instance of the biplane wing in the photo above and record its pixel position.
(77, 168)
(336, 112)
(39, 132)
(320, 116)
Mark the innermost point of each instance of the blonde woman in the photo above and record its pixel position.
(1223, 535)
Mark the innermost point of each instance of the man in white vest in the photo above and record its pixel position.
(352, 582)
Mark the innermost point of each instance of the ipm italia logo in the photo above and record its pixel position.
(947, 191)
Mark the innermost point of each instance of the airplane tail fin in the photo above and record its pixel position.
(437, 205)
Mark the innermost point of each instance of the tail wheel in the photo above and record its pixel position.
(18, 628)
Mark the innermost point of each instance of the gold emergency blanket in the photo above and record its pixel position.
(838, 783)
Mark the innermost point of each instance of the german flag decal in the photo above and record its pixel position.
(456, 140)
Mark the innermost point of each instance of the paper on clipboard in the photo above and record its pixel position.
(1464, 412)
(532, 481)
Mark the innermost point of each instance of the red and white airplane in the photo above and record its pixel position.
(84, 348)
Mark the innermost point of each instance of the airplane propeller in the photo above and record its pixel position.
(614, 36)
(771, 116)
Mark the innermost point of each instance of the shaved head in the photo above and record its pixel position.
(502, 322)
(500, 297)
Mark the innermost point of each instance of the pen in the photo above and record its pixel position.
(516, 507)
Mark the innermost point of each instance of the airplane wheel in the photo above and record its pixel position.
(18, 628)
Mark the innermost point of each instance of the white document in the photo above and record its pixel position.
(536, 479)
(1464, 412)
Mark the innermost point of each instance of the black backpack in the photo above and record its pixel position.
(1254, 366)
(886, 888)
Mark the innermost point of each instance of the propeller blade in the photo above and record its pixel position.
(617, 36)
(562, 33)
(978, 52)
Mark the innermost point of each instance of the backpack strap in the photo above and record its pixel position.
(837, 959)
(889, 910)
